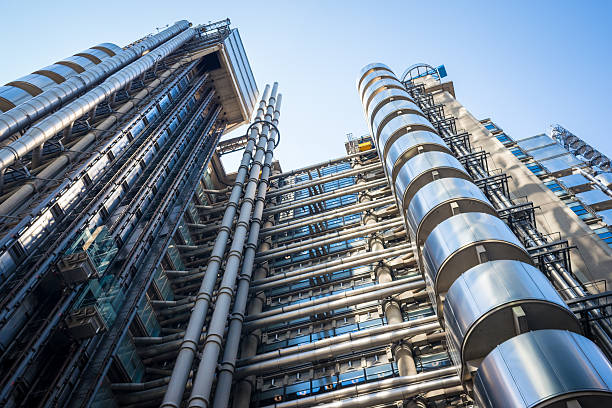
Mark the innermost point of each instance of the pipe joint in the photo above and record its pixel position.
(227, 366)
(225, 290)
(239, 316)
(204, 296)
(215, 338)
(188, 344)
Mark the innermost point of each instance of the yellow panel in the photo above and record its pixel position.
(365, 146)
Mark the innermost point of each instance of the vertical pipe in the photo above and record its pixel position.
(248, 348)
(189, 345)
(202, 384)
(393, 314)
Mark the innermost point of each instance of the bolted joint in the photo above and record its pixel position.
(237, 316)
(227, 291)
(204, 296)
(227, 366)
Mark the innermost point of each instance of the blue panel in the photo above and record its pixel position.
(442, 71)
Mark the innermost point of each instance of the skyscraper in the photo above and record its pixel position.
(435, 264)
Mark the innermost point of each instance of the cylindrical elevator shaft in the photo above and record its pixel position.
(461, 244)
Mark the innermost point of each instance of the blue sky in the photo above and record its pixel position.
(525, 64)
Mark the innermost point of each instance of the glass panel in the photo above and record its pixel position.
(137, 128)
(379, 371)
(535, 142)
(147, 315)
(129, 359)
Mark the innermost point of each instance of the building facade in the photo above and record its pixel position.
(436, 264)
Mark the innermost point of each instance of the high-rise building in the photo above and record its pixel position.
(438, 263)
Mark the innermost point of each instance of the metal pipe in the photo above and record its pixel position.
(248, 345)
(331, 237)
(188, 348)
(56, 122)
(19, 197)
(316, 301)
(348, 299)
(384, 395)
(360, 389)
(202, 384)
(323, 197)
(325, 351)
(329, 215)
(271, 355)
(361, 259)
(318, 165)
(35, 108)
(403, 351)
(337, 236)
(325, 179)
(321, 300)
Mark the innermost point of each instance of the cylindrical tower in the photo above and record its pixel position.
(502, 316)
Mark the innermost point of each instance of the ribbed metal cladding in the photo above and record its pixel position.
(493, 302)
(79, 73)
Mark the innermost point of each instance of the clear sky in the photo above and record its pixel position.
(525, 64)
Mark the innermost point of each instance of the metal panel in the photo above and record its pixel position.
(247, 88)
(547, 152)
(441, 199)
(378, 87)
(366, 70)
(15, 95)
(535, 142)
(387, 111)
(597, 199)
(370, 78)
(39, 81)
(398, 126)
(606, 216)
(560, 163)
(80, 61)
(478, 306)
(544, 368)
(422, 169)
(605, 178)
(409, 145)
(99, 54)
(574, 180)
(464, 241)
(113, 47)
(62, 70)
(383, 97)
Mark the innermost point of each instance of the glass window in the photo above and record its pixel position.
(164, 103)
(351, 377)
(379, 371)
(504, 139)
(137, 128)
(295, 391)
(490, 126)
(346, 329)
(129, 359)
(518, 153)
(536, 169)
(151, 115)
(298, 340)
